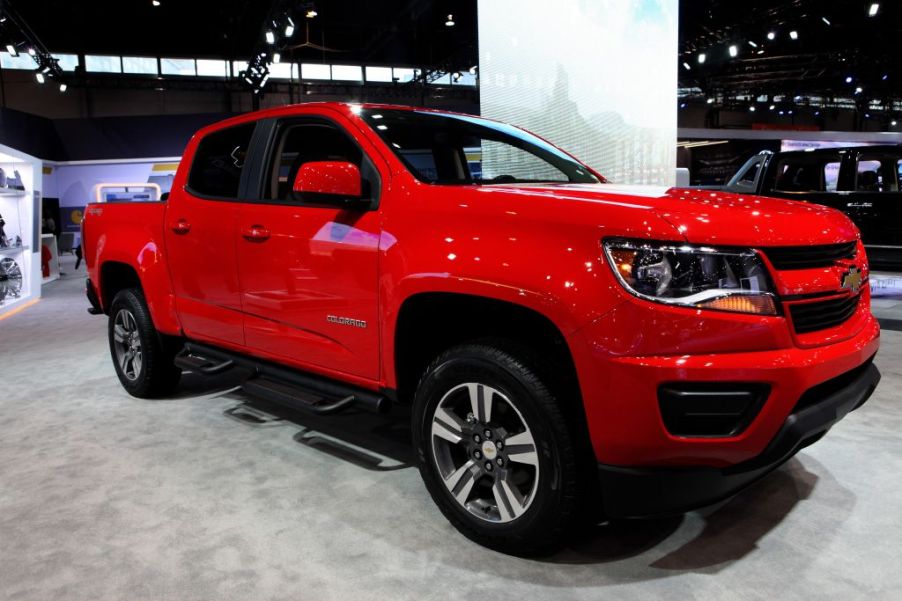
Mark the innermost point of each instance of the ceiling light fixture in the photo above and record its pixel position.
(289, 28)
(826, 20)
(155, 2)
(771, 35)
(311, 13)
(710, 101)
(702, 57)
(39, 77)
(875, 8)
(63, 87)
(474, 68)
(794, 34)
(270, 37)
(752, 109)
(894, 123)
(687, 66)
(12, 50)
(450, 21)
(31, 52)
(859, 90)
(849, 79)
(753, 44)
(276, 58)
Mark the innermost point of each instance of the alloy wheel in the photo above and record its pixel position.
(485, 452)
(127, 344)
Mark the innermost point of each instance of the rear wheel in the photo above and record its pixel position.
(495, 451)
(144, 361)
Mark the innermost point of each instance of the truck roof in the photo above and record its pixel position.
(821, 151)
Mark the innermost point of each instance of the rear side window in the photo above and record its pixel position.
(219, 161)
(808, 174)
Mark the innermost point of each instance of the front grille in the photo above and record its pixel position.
(811, 317)
(809, 257)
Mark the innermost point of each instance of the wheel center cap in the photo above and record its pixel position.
(489, 450)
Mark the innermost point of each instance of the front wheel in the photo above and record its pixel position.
(495, 450)
(143, 361)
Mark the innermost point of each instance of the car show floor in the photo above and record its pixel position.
(105, 496)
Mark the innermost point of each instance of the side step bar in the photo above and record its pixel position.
(282, 385)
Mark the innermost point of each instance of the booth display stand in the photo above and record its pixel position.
(20, 177)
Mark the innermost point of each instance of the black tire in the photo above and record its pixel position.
(554, 506)
(154, 374)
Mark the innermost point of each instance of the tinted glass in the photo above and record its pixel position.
(807, 174)
(458, 149)
(218, 162)
(306, 143)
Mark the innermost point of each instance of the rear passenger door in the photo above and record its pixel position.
(201, 227)
(309, 278)
(875, 197)
(811, 177)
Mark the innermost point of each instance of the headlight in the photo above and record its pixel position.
(693, 276)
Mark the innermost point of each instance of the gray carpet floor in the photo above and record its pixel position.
(103, 496)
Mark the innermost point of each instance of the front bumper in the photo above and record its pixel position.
(643, 492)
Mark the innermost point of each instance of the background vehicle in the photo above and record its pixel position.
(567, 345)
(863, 182)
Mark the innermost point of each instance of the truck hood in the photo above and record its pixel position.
(711, 217)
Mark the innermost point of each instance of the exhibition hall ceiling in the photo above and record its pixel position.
(412, 32)
(829, 48)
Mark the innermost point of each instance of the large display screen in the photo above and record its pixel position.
(596, 77)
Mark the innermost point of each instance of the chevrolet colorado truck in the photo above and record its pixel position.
(864, 182)
(564, 344)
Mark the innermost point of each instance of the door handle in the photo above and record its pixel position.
(181, 227)
(256, 233)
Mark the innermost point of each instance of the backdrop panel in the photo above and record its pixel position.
(596, 77)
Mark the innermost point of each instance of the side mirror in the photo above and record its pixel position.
(332, 183)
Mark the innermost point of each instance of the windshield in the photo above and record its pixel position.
(457, 149)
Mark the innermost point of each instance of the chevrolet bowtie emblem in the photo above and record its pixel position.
(851, 280)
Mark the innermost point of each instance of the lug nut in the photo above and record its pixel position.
(477, 454)
(477, 438)
(488, 466)
(488, 433)
(499, 461)
(499, 445)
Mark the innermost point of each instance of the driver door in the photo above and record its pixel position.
(309, 273)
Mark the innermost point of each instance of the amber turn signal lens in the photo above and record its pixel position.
(623, 262)
(743, 303)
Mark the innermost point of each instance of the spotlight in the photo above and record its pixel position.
(885, 77)
(156, 2)
(31, 52)
(311, 13)
(682, 105)
(710, 101)
(12, 50)
(875, 8)
(450, 21)
(688, 68)
(289, 28)
(859, 90)
(772, 107)
(456, 76)
(701, 58)
(894, 123)
(734, 51)
(276, 58)
(826, 20)
(771, 35)
(39, 77)
(474, 68)
(752, 109)
(270, 37)
(753, 44)
(794, 34)
(63, 87)
(849, 79)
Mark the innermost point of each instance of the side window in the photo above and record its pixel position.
(869, 176)
(750, 174)
(218, 162)
(304, 143)
(831, 175)
(808, 174)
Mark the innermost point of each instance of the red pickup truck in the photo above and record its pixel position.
(566, 344)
